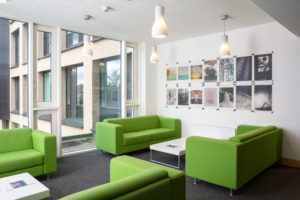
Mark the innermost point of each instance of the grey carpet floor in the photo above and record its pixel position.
(84, 171)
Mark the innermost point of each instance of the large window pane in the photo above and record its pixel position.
(47, 86)
(13, 74)
(110, 88)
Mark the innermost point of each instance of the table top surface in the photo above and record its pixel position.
(34, 189)
(174, 147)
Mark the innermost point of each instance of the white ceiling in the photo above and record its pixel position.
(132, 19)
(286, 12)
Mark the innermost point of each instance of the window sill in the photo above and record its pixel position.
(15, 66)
(72, 47)
(17, 112)
(77, 123)
(46, 56)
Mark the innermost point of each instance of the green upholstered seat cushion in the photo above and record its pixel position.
(121, 187)
(16, 160)
(15, 139)
(160, 133)
(251, 134)
(147, 135)
(134, 124)
(136, 138)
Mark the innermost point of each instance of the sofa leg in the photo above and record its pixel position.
(231, 192)
(195, 181)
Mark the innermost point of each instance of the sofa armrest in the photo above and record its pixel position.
(212, 160)
(109, 137)
(171, 123)
(46, 144)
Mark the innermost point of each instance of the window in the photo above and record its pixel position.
(47, 43)
(110, 88)
(47, 86)
(17, 47)
(74, 92)
(129, 75)
(73, 39)
(17, 94)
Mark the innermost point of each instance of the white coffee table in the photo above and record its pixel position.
(34, 190)
(174, 147)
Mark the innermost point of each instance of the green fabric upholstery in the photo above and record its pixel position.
(125, 166)
(15, 139)
(245, 129)
(45, 143)
(24, 150)
(17, 160)
(234, 162)
(133, 124)
(246, 136)
(122, 135)
(160, 133)
(136, 138)
(148, 183)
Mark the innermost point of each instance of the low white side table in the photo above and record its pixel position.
(34, 190)
(174, 147)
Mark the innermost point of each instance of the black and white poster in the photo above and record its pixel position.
(244, 68)
(263, 67)
(183, 97)
(244, 97)
(263, 97)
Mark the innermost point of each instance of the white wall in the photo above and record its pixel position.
(257, 39)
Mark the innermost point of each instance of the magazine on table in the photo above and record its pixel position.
(172, 145)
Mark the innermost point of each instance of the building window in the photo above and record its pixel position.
(73, 39)
(17, 93)
(47, 43)
(74, 90)
(110, 88)
(47, 86)
(129, 76)
(17, 47)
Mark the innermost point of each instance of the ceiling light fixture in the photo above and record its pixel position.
(224, 50)
(154, 55)
(159, 28)
(105, 8)
(87, 46)
(4, 1)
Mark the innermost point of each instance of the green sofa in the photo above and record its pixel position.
(27, 150)
(122, 135)
(232, 163)
(135, 179)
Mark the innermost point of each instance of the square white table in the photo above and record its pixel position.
(174, 147)
(33, 191)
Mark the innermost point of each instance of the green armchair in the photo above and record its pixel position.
(135, 179)
(122, 135)
(27, 150)
(232, 163)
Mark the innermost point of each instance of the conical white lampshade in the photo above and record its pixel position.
(154, 56)
(159, 28)
(87, 47)
(224, 49)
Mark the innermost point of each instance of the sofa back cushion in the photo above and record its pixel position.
(251, 134)
(133, 124)
(15, 139)
(131, 187)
